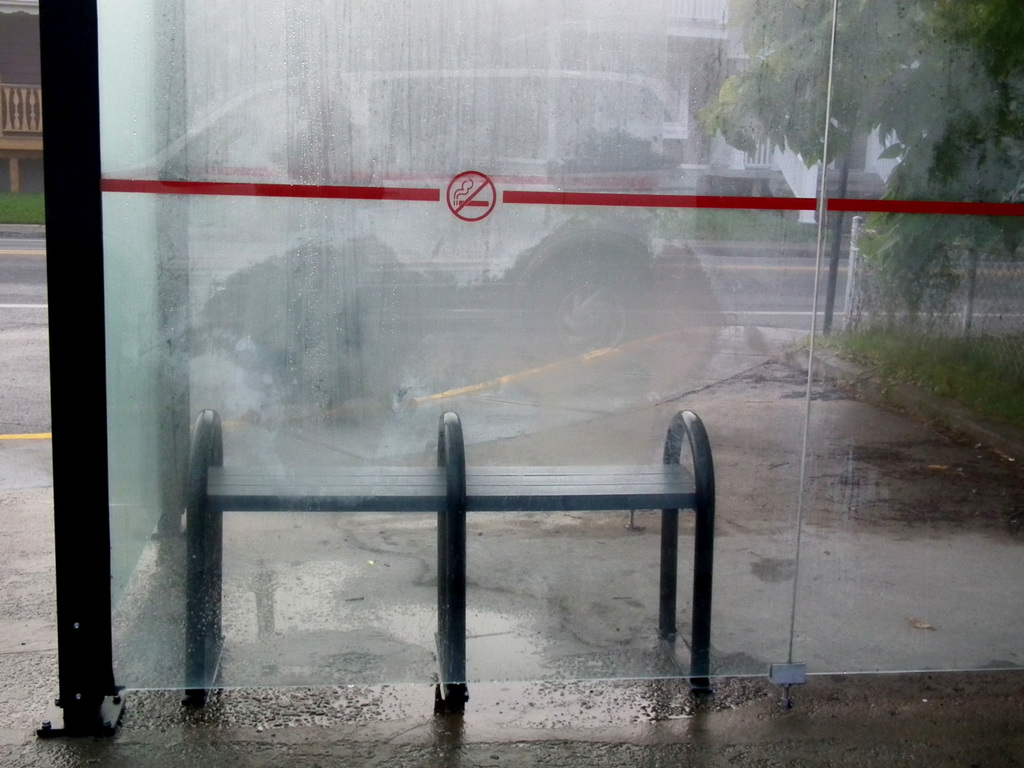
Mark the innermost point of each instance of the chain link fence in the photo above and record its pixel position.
(962, 292)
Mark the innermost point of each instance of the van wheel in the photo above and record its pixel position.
(590, 316)
(584, 307)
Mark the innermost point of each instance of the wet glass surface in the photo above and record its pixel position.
(334, 223)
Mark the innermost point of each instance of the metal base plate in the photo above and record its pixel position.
(103, 724)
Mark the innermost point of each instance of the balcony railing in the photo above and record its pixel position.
(21, 110)
(762, 158)
(713, 11)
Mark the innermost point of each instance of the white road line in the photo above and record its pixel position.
(770, 313)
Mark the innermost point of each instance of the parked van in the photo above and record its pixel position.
(327, 292)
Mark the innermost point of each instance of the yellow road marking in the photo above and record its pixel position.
(31, 436)
(763, 267)
(492, 383)
(22, 252)
(511, 378)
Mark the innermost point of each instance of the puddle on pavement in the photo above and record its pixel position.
(939, 481)
(772, 569)
(858, 488)
(311, 623)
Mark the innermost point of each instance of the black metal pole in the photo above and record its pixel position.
(836, 247)
(89, 703)
(452, 691)
(204, 567)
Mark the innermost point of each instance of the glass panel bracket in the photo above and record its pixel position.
(787, 675)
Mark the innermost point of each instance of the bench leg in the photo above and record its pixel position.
(669, 574)
(452, 692)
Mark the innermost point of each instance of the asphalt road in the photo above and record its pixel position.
(712, 291)
(499, 379)
(763, 290)
(776, 289)
(24, 380)
(22, 273)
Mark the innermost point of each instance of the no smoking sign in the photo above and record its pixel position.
(471, 196)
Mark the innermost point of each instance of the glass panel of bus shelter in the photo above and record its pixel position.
(134, 277)
(910, 553)
(547, 217)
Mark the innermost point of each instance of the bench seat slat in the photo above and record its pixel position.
(422, 489)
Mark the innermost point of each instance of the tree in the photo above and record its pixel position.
(940, 78)
(780, 98)
(959, 123)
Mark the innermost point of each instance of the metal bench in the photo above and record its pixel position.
(451, 490)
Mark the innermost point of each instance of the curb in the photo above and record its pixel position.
(1005, 439)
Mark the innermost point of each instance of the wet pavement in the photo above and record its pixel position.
(898, 720)
(909, 560)
(932, 718)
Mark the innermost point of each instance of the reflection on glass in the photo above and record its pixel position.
(913, 523)
(329, 330)
(912, 531)
(333, 302)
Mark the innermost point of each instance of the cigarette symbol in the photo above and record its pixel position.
(462, 193)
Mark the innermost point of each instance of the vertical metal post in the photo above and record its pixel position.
(89, 703)
(687, 424)
(970, 290)
(853, 288)
(451, 692)
(204, 567)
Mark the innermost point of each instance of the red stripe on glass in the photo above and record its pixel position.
(514, 197)
(269, 190)
(926, 206)
(528, 197)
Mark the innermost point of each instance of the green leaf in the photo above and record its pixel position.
(892, 152)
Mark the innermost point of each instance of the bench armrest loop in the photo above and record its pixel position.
(204, 561)
(687, 428)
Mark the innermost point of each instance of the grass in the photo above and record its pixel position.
(729, 225)
(21, 209)
(985, 374)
